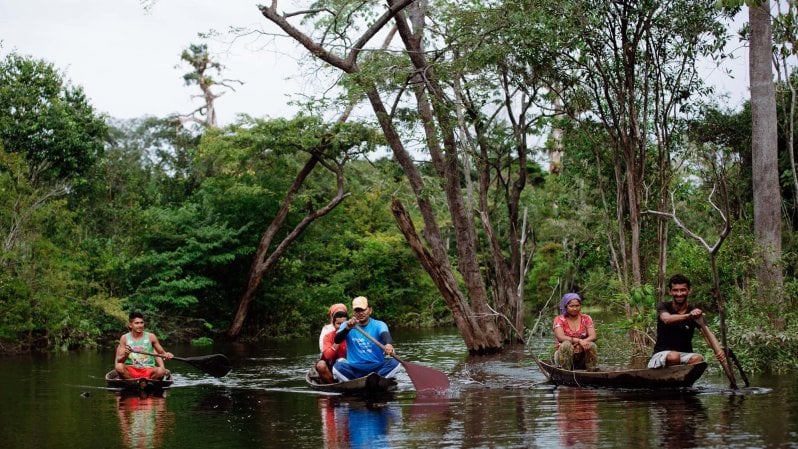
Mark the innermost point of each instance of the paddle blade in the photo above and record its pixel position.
(426, 379)
(217, 365)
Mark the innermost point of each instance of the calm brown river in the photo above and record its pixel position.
(496, 402)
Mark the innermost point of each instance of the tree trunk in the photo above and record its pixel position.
(465, 320)
(263, 261)
(764, 150)
(478, 336)
(465, 234)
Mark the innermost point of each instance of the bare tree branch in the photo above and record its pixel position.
(726, 228)
(347, 64)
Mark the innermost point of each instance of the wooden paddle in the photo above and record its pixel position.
(217, 365)
(423, 378)
(720, 354)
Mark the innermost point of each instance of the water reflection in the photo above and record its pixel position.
(430, 407)
(677, 420)
(496, 402)
(335, 423)
(143, 420)
(352, 423)
(577, 417)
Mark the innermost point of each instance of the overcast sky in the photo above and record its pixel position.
(124, 55)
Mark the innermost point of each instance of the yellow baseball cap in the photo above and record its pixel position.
(361, 302)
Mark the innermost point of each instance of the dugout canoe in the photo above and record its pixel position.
(367, 385)
(678, 376)
(113, 380)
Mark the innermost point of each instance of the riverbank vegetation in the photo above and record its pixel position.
(440, 208)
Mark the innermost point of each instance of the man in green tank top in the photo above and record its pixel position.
(130, 362)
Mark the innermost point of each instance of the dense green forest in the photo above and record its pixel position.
(438, 206)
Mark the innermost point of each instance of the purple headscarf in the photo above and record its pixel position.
(566, 298)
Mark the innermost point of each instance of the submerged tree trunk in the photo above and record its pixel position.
(464, 318)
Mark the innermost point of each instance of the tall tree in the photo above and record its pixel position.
(341, 46)
(51, 124)
(635, 62)
(204, 69)
(328, 146)
(764, 149)
(504, 93)
(47, 119)
(50, 137)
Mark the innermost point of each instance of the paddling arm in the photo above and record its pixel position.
(386, 348)
(671, 318)
(122, 351)
(386, 344)
(720, 355)
(160, 350)
(341, 334)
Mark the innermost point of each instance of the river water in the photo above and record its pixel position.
(60, 401)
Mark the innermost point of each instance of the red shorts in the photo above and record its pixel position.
(139, 373)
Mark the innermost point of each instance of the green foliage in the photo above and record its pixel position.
(185, 247)
(47, 120)
(755, 336)
(43, 290)
(641, 304)
(165, 219)
(197, 56)
(202, 341)
(356, 250)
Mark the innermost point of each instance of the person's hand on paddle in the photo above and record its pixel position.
(696, 313)
(168, 355)
(389, 350)
(351, 323)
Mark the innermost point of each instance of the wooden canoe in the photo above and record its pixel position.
(678, 376)
(113, 380)
(367, 385)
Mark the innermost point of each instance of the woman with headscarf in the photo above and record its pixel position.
(330, 327)
(575, 335)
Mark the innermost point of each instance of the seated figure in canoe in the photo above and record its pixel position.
(330, 326)
(331, 351)
(575, 335)
(362, 355)
(130, 364)
(675, 327)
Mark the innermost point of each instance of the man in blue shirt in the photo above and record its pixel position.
(362, 355)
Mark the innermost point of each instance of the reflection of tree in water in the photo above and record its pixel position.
(480, 417)
(730, 417)
(676, 421)
(143, 421)
(577, 417)
(357, 424)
